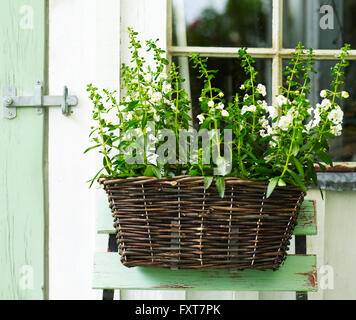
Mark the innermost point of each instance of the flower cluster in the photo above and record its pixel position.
(279, 141)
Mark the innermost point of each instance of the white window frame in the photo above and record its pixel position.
(276, 53)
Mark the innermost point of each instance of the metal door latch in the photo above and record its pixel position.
(11, 101)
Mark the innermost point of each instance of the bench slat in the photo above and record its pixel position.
(298, 273)
(306, 219)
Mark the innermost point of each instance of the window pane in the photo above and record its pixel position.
(222, 23)
(228, 79)
(342, 148)
(328, 30)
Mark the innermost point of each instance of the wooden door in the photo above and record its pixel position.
(22, 153)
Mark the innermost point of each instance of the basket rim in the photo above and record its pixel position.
(141, 180)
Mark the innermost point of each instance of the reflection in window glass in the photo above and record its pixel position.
(228, 79)
(328, 30)
(342, 148)
(222, 23)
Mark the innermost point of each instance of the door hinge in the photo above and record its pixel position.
(11, 101)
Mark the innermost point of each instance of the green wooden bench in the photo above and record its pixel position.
(298, 273)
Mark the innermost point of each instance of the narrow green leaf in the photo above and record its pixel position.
(299, 167)
(220, 185)
(297, 180)
(152, 171)
(91, 148)
(272, 185)
(207, 182)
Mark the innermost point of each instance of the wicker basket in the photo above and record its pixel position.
(174, 222)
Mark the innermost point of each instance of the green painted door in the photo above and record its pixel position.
(22, 153)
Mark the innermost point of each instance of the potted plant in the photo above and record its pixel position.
(226, 195)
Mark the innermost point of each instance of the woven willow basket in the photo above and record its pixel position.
(174, 222)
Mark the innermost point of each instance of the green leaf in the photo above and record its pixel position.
(94, 179)
(325, 157)
(91, 148)
(272, 185)
(152, 171)
(207, 182)
(194, 172)
(297, 180)
(220, 185)
(299, 167)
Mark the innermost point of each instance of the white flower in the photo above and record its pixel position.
(345, 94)
(121, 108)
(246, 97)
(156, 97)
(292, 113)
(200, 99)
(252, 108)
(221, 94)
(201, 118)
(220, 106)
(285, 122)
(173, 106)
(242, 87)
(150, 91)
(148, 78)
(273, 112)
(310, 110)
(129, 116)
(156, 117)
(336, 116)
(263, 104)
(224, 113)
(263, 133)
(245, 109)
(166, 87)
(163, 76)
(281, 100)
(308, 127)
(261, 89)
(264, 122)
(211, 104)
(325, 104)
(128, 99)
(316, 120)
(323, 93)
(336, 130)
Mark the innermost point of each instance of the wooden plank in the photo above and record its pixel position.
(84, 38)
(22, 149)
(306, 220)
(298, 273)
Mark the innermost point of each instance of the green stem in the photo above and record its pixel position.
(103, 143)
(211, 97)
(253, 94)
(289, 153)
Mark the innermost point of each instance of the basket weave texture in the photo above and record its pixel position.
(174, 222)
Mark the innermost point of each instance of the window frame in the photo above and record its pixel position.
(276, 53)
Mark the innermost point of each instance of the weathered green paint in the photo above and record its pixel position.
(306, 219)
(298, 273)
(22, 205)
